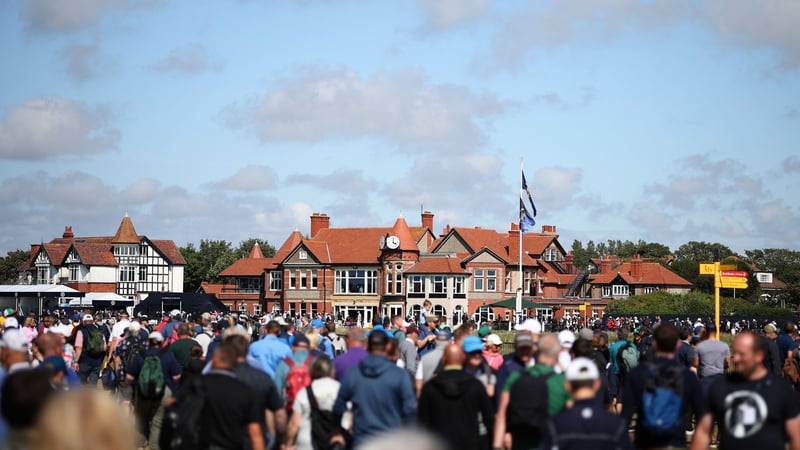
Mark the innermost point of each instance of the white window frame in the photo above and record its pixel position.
(620, 289)
(292, 279)
(303, 280)
(367, 278)
(606, 291)
(74, 272)
(438, 284)
(314, 279)
(765, 277)
(416, 284)
(276, 280)
(458, 285)
(491, 280)
(302, 254)
(478, 281)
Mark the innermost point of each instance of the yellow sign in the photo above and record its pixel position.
(728, 267)
(707, 269)
(582, 307)
(733, 283)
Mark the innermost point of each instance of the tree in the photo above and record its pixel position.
(703, 251)
(9, 265)
(244, 248)
(205, 263)
(784, 264)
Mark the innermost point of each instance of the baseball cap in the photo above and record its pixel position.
(586, 334)
(53, 364)
(523, 340)
(88, 317)
(566, 338)
(472, 344)
(532, 325)
(444, 335)
(300, 339)
(582, 369)
(768, 328)
(484, 331)
(155, 336)
(494, 339)
(405, 324)
(384, 330)
(14, 340)
(317, 323)
(174, 313)
(281, 321)
(11, 322)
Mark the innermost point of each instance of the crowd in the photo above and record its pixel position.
(214, 381)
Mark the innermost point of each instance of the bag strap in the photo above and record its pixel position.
(312, 399)
(289, 362)
(309, 359)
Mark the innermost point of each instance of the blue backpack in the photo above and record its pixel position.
(662, 398)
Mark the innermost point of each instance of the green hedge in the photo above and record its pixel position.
(694, 303)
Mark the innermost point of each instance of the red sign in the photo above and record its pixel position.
(734, 273)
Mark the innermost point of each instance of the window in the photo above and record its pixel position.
(313, 309)
(257, 309)
(398, 279)
(416, 284)
(293, 309)
(303, 281)
(551, 254)
(439, 285)
(142, 273)
(483, 314)
(478, 280)
(276, 280)
(242, 307)
(508, 281)
(620, 289)
(314, 279)
(356, 281)
(415, 311)
(127, 273)
(606, 291)
(302, 254)
(249, 285)
(458, 285)
(650, 289)
(491, 280)
(74, 272)
(43, 275)
(292, 279)
(765, 278)
(389, 281)
(440, 311)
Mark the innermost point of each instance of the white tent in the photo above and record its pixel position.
(30, 296)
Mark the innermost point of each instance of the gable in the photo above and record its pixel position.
(301, 255)
(484, 256)
(452, 243)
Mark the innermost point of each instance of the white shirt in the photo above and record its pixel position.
(119, 328)
(325, 391)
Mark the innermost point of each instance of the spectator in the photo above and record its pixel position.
(476, 366)
(408, 350)
(324, 389)
(356, 341)
(300, 352)
(90, 348)
(523, 357)
(491, 352)
(430, 363)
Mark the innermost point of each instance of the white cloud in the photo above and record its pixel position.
(250, 178)
(44, 127)
(554, 188)
(791, 164)
(403, 108)
(191, 59)
(48, 15)
(84, 62)
(140, 192)
(557, 100)
(340, 180)
(441, 14)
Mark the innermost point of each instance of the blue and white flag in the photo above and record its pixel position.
(528, 191)
(526, 222)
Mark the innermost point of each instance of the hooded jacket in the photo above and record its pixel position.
(452, 405)
(382, 397)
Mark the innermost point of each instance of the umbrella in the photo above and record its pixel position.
(511, 303)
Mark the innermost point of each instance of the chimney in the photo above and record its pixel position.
(319, 221)
(605, 264)
(548, 229)
(446, 230)
(636, 267)
(427, 220)
(569, 264)
(513, 243)
(68, 233)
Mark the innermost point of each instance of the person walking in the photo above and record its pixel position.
(269, 351)
(586, 424)
(754, 408)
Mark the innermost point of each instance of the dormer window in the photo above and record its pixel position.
(302, 254)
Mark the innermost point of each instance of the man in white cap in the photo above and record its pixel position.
(586, 424)
(14, 347)
(119, 328)
(174, 320)
(90, 349)
(566, 338)
(531, 325)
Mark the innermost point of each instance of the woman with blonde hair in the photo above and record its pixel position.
(29, 329)
(83, 419)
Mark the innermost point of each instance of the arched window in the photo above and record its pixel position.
(483, 314)
(415, 310)
(440, 311)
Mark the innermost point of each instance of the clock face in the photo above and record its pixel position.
(392, 242)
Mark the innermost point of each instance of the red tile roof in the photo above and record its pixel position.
(653, 274)
(170, 251)
(126, 234)
(439, 264)
(407, 241)
(217, 288)
(95, 253)
(255, 253)
(247, 267)
(351, 245)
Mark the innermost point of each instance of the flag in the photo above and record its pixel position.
(526, 222)
(528, 191)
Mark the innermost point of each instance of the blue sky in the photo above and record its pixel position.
(663, 120)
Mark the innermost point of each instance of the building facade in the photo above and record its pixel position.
(127, 264)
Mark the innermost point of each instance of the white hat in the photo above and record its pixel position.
(582, 369)
(405, 324)
(155, 336)
(494, 339)
(281, 321)
(14, 340)
(566, 338)
(11, 322)
(532, 325)
(174, 313)
(88, 317)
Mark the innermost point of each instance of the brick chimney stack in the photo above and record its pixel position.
(548, 229)
(319, 221)
(513, 243)
(569, 262)
(636, 267)
(68, 233)
(427, 220)
(605, 264)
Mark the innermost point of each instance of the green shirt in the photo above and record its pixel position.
(558, 395)
(182, 351)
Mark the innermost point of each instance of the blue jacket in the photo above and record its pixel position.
(382, 395)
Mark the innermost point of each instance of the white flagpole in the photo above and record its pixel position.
(518, 304)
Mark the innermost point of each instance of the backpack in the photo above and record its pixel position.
(529, 402)
(338, 344)
(94, 344)
(322, 423)
(151, 378)
(181, 429)
(299, 377)
(135, 347)
(627, 358)
(662, 398)
(647, 352)
(791, 369)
